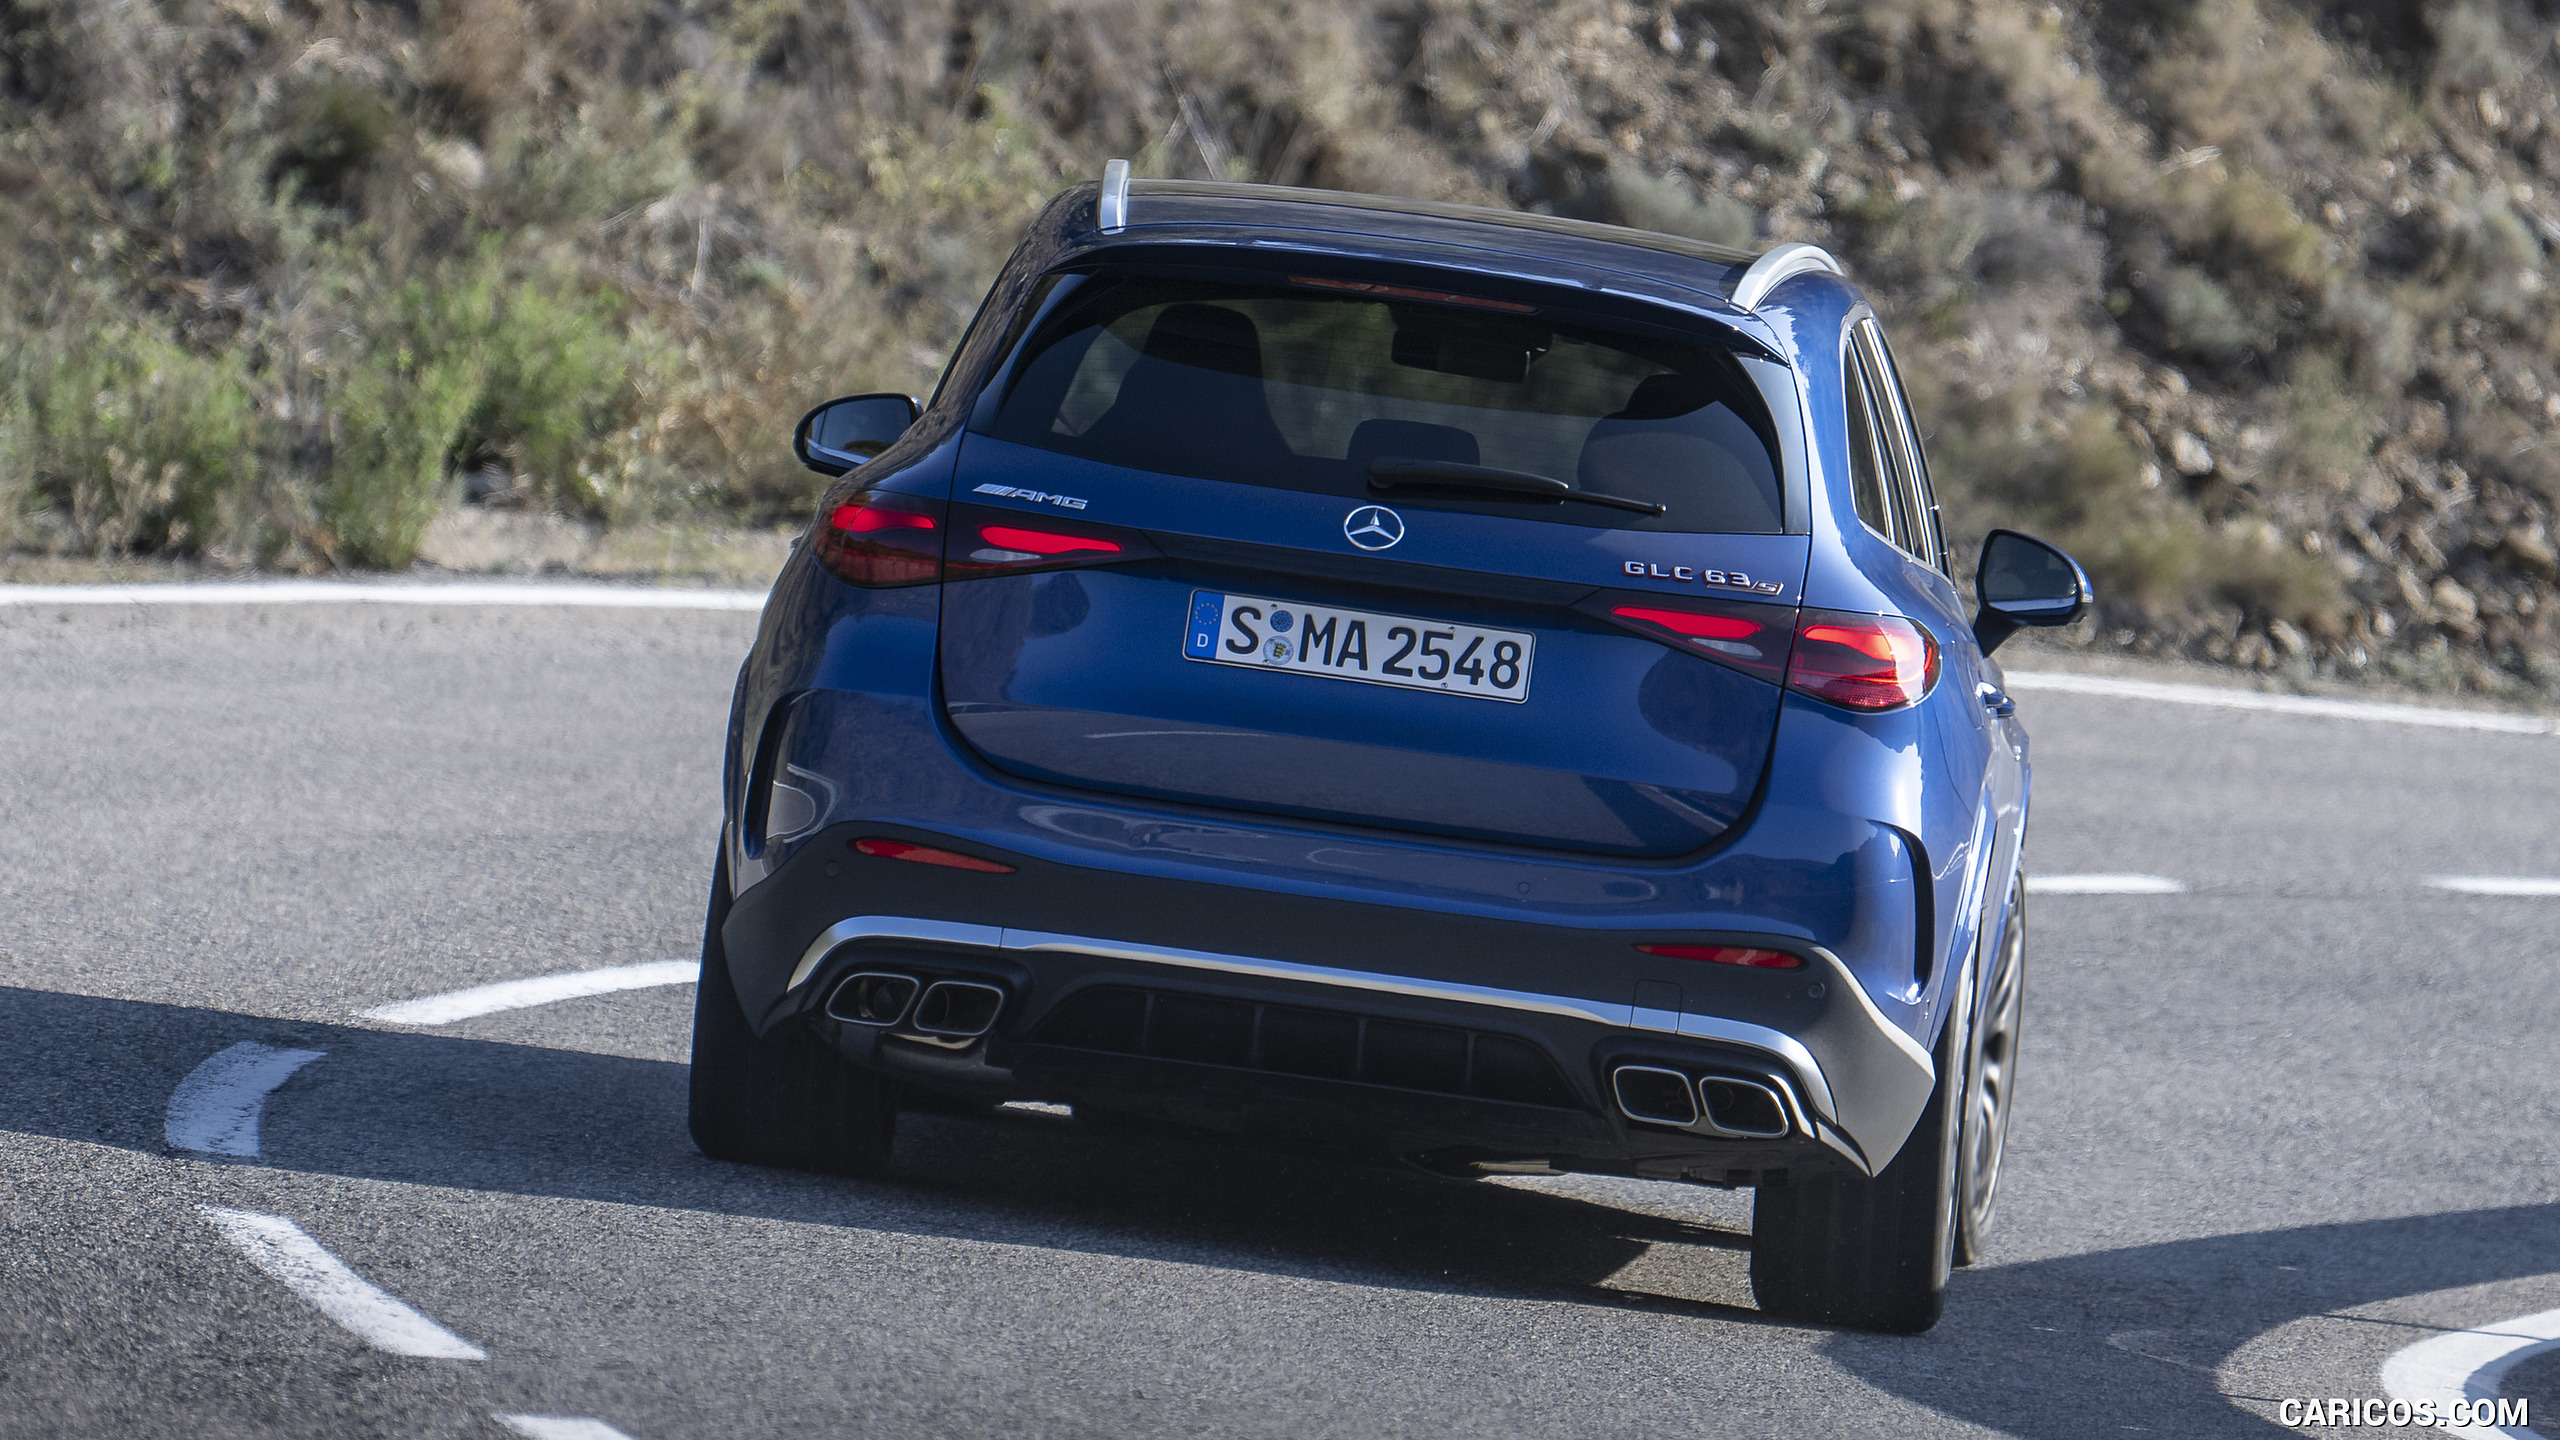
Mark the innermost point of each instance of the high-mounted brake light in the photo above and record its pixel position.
(1408, 292)
(1865, 662)
(1728, 955)
(1751, 638)
(881, 540)
(927, 855)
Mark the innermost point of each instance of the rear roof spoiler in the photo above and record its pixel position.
(1783, 263)
(1111, 207)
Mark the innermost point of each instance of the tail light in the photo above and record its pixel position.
(1751, 638)
(988, 541)
(1728, 955)
(881, 539)
(1865, 662)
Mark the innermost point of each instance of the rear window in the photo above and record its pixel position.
(1303, 382)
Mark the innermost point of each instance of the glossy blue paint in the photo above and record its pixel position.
(1883, 838)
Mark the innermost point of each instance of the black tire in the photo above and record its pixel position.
(1991, 1077)
(786, 1101)
(1870, 1254)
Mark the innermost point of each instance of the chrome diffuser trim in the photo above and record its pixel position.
(1592, 1010)
(889, 927)
(1797, 1059)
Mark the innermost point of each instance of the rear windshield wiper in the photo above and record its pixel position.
(1389, 472)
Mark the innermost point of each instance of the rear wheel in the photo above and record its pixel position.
(1994, 1073)
(1870, 1253)
(784, 1100)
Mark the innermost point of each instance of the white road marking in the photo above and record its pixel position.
(2468, 1364)
(2498, 884)
(2497, 720)
(215, 1110)
(278, 1246)
(587, 594)
(2104, 885)
(535, 990)
(560, 1427)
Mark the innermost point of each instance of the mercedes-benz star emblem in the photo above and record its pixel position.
(1373, 527)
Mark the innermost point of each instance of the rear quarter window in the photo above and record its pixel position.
(1303, 383)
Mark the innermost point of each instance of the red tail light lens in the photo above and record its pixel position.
(1728, 955)
(988, 541)
(927, 855)
(1751, 638)
(881, 540)
(1865, 662)
(1007, 544)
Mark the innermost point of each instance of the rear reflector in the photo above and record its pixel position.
(927, 855)
(1865, 662)
(881, 540)
(1728, 955)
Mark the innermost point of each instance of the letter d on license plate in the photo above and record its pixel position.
(1360, 645)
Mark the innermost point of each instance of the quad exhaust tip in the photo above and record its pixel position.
(873, 997)
(1655, 1096)
(1726, 1106)
(958, 1009)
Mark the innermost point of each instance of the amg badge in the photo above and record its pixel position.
(1036, 497)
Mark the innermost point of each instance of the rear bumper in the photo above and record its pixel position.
(1329, 1020)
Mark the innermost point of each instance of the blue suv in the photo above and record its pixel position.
(1406, 680)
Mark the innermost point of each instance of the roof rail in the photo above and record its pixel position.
(1111, 208)
(1783, 263)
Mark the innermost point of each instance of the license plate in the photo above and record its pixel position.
(1359, 645)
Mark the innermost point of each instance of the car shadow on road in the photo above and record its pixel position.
(2120, 1341)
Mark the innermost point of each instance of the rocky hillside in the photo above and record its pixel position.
(2245, 302)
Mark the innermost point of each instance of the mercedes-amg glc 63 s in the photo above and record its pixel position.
(1402, 679)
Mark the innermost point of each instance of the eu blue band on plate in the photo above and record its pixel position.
(1206, 610)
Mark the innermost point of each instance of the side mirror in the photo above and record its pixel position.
(2023, 581)
(841, 434)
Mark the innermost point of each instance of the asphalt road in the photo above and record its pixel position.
(2270, 1131)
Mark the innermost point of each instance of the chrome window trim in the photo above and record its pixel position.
(1807, 1071)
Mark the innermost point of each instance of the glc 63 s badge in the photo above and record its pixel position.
(1729, 579)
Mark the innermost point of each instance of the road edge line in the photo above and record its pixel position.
(2379, 711)
(2467, 1365)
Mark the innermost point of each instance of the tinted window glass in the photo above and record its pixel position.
(1866, 451)
(1303, 385)
(1915, 509)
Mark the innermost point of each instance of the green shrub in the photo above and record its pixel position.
(396, 412)
(2199, 316)
(146, 444)
(2328, 426)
